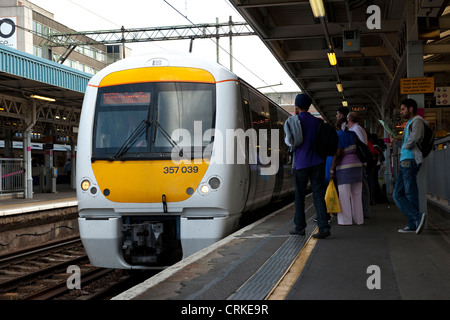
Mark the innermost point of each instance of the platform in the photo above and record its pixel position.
(371, 261)
(249, 264)
(64, 197)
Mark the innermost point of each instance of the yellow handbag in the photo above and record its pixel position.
(332, 199)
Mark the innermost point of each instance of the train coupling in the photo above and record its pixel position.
(143, 242)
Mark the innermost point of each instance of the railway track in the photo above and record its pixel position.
(45, 273)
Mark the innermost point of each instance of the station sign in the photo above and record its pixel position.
(8, 31)
(359, 109)
(442, 95)
(417, 85)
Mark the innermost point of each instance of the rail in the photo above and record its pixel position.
(438, 175)
(11, 173)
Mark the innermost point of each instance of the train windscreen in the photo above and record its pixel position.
(152, 120)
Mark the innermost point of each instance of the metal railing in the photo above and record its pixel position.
(11, 173)
(438, 170)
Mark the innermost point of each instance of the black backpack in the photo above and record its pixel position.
(427, 143)
(363, 151)
(326, 140)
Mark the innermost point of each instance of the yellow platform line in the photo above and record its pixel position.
(287, 281)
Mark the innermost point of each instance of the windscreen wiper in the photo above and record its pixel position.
(168, 137)
(132, 139)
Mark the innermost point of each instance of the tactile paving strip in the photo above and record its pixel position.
(263, 281)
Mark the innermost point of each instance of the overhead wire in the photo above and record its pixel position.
(222, 48)
(106, 19)
(94, 13)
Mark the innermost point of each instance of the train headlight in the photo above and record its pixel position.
(204, 189)
(85, 185)
(214, 183)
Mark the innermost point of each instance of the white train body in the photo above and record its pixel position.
(138, 205)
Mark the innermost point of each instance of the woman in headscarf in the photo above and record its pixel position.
(348, 170)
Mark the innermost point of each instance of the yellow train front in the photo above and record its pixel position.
(162, 169)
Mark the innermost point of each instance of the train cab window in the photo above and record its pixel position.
(186, 106)
(139, 120)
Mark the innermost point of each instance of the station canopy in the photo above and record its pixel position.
(369, 40)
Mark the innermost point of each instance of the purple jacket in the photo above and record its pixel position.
(305, 156)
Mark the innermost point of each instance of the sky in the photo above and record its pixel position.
(253, 62)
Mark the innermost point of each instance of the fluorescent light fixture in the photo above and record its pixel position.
(35, 96)
(317, 8)
(332, 58)
(340, 87)
(344, 103)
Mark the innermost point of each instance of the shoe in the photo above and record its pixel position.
(406, 230)
(329, 220)
(321, 235)
(421, 223)
(297, 232)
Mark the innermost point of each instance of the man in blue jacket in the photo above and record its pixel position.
(406, 191)
(309, 165)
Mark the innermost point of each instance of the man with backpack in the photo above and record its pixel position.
(406, 192)
(309, 165)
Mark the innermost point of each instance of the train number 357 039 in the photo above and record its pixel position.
(174, 170)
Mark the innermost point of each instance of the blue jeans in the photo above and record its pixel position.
(406, 192)
(316, 175)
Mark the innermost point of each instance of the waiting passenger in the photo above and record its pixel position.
(406, 192)
(348, 170)
(353, 125)
(309, 166)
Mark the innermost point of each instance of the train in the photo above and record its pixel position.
(172, 152)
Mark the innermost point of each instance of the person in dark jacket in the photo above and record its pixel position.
(309, 166)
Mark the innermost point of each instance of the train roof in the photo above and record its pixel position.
(166, 59)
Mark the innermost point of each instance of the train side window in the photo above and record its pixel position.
(246, 107)
(260, 114)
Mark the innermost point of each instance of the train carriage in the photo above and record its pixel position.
(172, 151)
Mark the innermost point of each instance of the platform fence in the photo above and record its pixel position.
(438, 170)
(12, 174)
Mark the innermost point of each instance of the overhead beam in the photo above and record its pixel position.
(316, 55)
(164, 33)
(326, 72)
(334, 29)
(431, 67)
(269, 3)
(436, 48)
(273, 3)
(328, 85)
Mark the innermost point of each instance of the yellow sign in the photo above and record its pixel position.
(417, 85)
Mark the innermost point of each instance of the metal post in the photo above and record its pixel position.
(28, 178)
(123, 42)
(217, 40)
(415, 69)
(191, 44)
(73, 164)
(231, 44)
